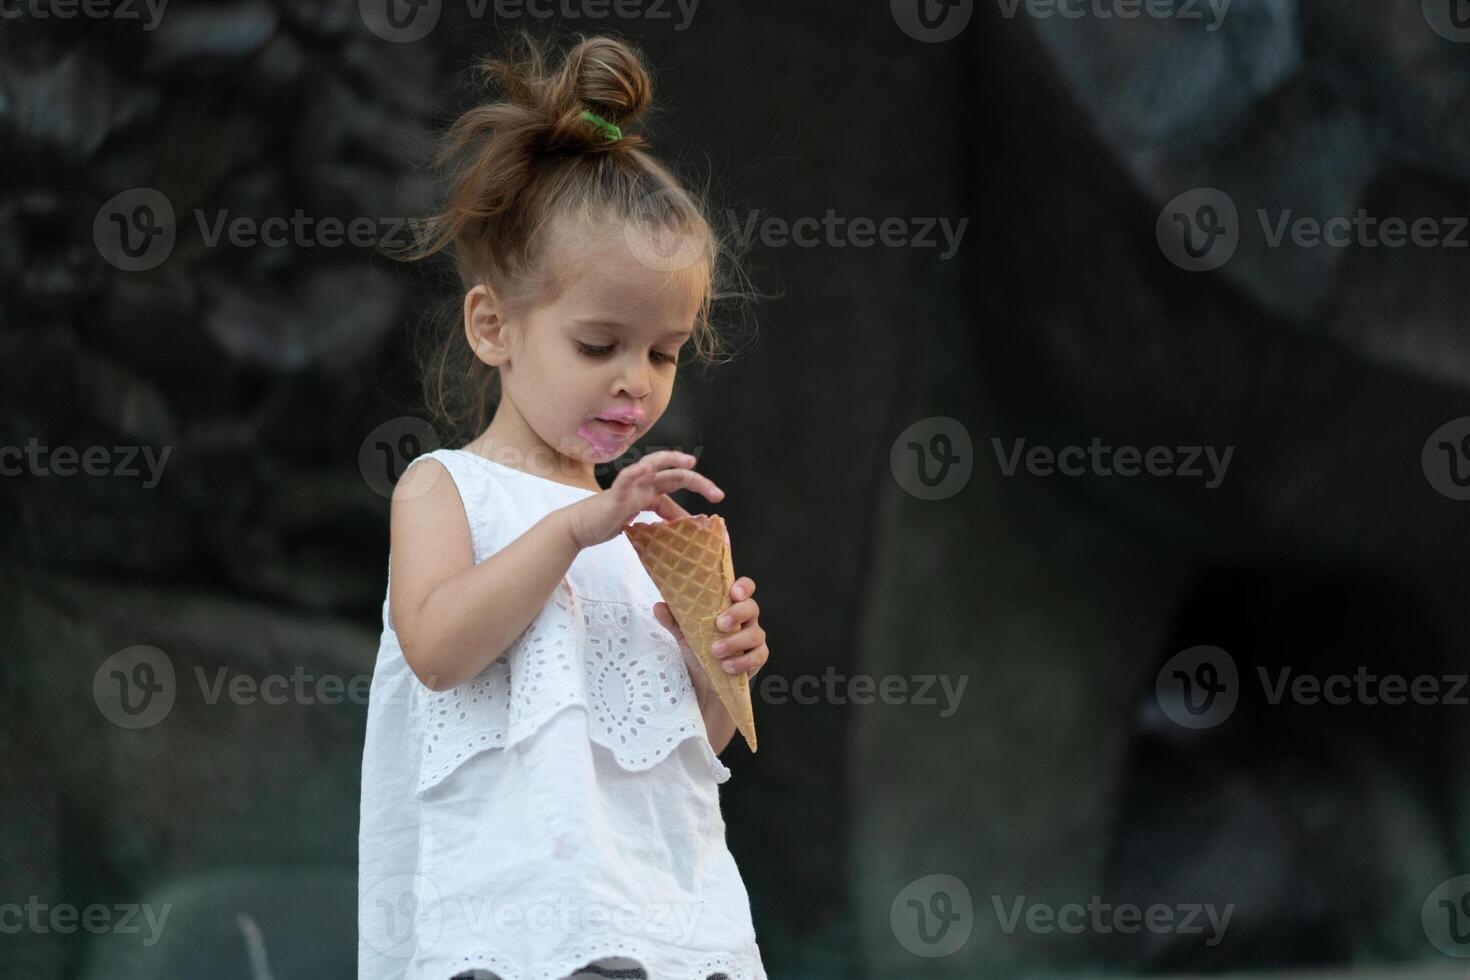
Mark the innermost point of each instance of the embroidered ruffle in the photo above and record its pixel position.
(613, 658)
(657, 962)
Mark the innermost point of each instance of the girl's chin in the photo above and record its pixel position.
(585, 452)
(605, 455)
(588, 451)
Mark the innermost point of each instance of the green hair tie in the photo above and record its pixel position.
(612, 131)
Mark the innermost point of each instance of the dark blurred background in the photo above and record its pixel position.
(987, 232)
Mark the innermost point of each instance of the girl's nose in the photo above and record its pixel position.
(634, 383)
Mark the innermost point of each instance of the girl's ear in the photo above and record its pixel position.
(484, 327)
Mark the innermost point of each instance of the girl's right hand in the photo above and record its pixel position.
(645, 485)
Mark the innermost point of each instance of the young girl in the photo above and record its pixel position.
(540, 777)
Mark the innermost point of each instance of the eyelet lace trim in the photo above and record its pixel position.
(722, 966)
(613, 658)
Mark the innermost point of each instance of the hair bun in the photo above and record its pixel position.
(609, 78)
(601, 74)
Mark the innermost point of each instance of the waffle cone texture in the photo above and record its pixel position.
(689, 561)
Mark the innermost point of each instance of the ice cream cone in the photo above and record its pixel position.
(689, 561)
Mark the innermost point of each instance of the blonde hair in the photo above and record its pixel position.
(519, 165)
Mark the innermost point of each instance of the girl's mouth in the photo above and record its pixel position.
(606, 437)
(616, 427)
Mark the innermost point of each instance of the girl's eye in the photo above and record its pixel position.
(593, 350)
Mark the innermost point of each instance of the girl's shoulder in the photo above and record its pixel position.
(478, 478)
(458, 479)
(472, 470)
(463, 466)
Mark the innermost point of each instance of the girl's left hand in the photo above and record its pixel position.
(742, 646)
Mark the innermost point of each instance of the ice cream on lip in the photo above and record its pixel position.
(609, 431)
(632, 416)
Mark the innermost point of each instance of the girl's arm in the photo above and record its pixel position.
(453, 617)
(717, 721)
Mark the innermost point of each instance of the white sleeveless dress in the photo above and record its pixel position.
(562, 808)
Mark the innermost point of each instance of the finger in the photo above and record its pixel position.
(669, 480)
(666, 458)
(635, 479)
(737, 615)
(748, 638)
(668, 508)
(665, 617)
(743, 588)
(670, 460)
(751, 662)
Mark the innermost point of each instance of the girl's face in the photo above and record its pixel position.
(592, 371)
